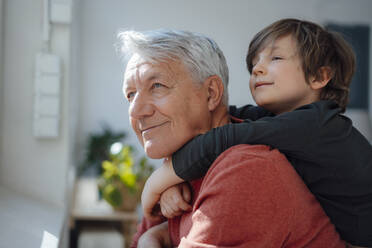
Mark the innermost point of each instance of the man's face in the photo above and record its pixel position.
(278, 82)
(167, 107)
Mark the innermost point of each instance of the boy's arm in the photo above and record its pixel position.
(249, 112)
(160, 180)
(290, 132)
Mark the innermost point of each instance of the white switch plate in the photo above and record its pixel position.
(47, 106)
(60, 11)
(46, 127)
(47, 85)
(47, 95)
(47, 63)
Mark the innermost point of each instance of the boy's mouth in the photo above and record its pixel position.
(260, 84)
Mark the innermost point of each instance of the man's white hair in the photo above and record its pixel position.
(200, 54)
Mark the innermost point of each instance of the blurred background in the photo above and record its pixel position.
(62, 108)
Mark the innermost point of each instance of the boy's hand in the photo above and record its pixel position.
(149, 199)
(175, 200)
(161, 179)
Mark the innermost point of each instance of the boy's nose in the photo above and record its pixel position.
(259, 68)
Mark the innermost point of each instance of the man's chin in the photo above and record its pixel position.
(154, 153)
(158, 149)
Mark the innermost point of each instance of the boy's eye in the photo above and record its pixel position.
(254, 62)
(276, 58)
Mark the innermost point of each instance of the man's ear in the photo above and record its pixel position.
(215, 91)
(322, 78)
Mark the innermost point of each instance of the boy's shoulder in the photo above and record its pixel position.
(248, 111)
(322, 106)
(322, 110)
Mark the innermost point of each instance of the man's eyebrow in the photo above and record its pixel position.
(126, 87)
(154, 76)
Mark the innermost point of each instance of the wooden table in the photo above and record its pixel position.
(88, 210)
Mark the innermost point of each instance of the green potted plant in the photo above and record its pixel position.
(98, 149)
(122, 179)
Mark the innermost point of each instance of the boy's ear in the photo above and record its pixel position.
(322, 78)
(215, 91)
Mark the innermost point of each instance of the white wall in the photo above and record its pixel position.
(1, 76)
(231, 23)
(34, 167)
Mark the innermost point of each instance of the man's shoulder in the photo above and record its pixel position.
(255, 155)
(254, 165)
(249, 161)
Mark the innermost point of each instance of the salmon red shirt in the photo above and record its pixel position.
(251, 197)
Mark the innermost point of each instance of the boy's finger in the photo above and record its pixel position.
(186, 193)
(177, 213)
(181, 204)
(166, 212)
(152, 217)
(185, 206)
(174, 207)
(153, 214)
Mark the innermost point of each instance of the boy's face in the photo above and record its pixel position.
(278, 82)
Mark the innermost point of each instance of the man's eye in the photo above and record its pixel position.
(130, 95)
(157, 85)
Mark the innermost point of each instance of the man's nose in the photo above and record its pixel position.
(259, 68)
(140, 107)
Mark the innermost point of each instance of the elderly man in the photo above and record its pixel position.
(176, 85)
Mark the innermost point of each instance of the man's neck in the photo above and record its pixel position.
(220, 117)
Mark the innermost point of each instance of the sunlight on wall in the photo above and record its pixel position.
(49, 240)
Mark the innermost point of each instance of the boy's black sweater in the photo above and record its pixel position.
(332, 157)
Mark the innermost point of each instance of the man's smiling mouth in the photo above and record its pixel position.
(150, 128)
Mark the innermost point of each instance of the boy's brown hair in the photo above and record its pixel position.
(317, 48)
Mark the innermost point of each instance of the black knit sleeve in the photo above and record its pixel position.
(249, 112)
(289, 132)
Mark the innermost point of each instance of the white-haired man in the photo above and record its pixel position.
(176, 85)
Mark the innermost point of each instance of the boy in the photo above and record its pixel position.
(301, 73)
